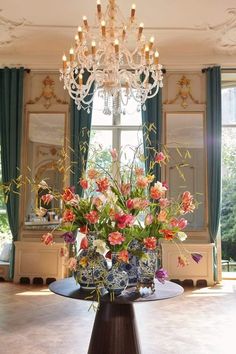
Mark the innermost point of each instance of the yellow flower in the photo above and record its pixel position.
(83, 262)
(150, 178)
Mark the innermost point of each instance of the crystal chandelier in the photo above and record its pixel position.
(100, 60)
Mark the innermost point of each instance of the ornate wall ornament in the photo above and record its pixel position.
(226, 32)
(47, 94)
(184, 93)
(8, 28)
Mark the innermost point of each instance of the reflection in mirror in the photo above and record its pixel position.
(46, 139)
(186, 168)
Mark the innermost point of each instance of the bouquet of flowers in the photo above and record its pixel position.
(132, 207)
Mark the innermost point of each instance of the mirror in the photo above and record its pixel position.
(186, 169)
(45, 144)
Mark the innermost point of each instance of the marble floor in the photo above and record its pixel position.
(35, 321)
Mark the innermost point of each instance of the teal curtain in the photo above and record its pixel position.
(152, 117)
(80, 126)
(11, 104)
(213, 111)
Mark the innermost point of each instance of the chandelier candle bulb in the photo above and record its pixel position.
(124, 32)
(99, 8)
(71, 54)
(80, 79)
(116, 43)
(147, 54)
(103, 25)
(133, 8)
(76, 37)
(64, 62)
(151, 42)
(156, 57)
(140, 30)
(80, 33)
(85, 22)
(93, 45)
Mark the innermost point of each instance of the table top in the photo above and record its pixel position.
(67, 287)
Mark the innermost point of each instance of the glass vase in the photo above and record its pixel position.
(91, 266)
(146, 272)
(116, 279)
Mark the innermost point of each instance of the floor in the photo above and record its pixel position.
(35, 321)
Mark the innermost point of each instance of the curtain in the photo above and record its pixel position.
(11, 104)
(213, 111)
(152, 116)
(80, 126)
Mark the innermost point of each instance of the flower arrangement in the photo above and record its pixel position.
(133, 206)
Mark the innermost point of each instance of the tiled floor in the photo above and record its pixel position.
(35, 321)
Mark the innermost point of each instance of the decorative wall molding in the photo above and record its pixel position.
(47, 94)
(226, 32)
(9, 27)
(184, 93)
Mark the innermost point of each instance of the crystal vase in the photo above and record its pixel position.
(91, 266)
(116, 279)
(146, 272)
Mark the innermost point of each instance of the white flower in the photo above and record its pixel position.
(100, 247)
(182, 236)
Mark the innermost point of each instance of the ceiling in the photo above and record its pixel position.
(189, 33)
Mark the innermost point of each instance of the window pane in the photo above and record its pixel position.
(131, 144)
(99, 149)
(229, 105)
(98, 117)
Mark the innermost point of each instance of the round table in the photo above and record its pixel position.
(114, 329)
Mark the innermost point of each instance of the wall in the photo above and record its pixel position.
(184, 114)
(44, 96)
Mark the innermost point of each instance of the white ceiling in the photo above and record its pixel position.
(189, 33)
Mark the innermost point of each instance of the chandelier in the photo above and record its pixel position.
(100, 60)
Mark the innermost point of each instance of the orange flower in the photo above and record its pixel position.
(115, 238)
(72, 263)
(84, 183)
(84, 243)
(47, 239)
(93, 174)
(68, 216)
(157, 191)
(162, 216)
(142, 182)
(103, 184)
(123, 256)
(167, 234)
(68, 195)
(160, 157)
(182, 261)
(139, 171)
(187, 204)
(125, 188)
(150, 243)
(92, 217)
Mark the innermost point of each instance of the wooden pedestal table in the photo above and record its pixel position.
(114, 329)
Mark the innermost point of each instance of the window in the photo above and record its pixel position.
(122, 132)
(228, 212)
